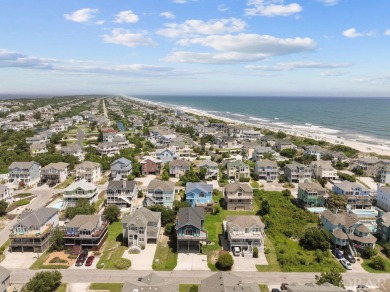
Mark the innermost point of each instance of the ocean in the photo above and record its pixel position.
(361, 119)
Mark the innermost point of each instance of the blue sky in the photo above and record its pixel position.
(190, 47)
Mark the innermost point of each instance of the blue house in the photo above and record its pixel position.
(199, 194)
(121, 168)
(190, 229)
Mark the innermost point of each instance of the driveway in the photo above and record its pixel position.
(79, 287)
(144, 181)
(368, 181)
(84, 267)
(191, 262)
(19, 260)
(248, 263)
(143, 260)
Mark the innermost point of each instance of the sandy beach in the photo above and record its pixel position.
(299, 131)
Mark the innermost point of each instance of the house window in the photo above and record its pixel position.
(246, 230)
(201, 195)
(188, 231)
(141, 230)
(141, 239)
(133, 227)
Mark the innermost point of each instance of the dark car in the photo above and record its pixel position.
(80, 260)
(349, 257)
(89, 261)
(283, 286)
(40, 183)
(275, 290)
(338, 254)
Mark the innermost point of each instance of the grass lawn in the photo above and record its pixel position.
(112, 287)
(273, 264)
(254, 184)
(263, 288)
(186, 287)
(62, 288)
(39, 262)
(23, 195)
(166, 256)
(113, 248)
(366, 262)
(66, 183)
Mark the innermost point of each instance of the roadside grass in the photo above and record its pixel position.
(112, 287)
(66, 183)
(286, 223)
(366, 262)
(39, 262)
(19, 203)
(3, 248)
(62, 287)
(254, 184)
(113, 248)
(186, 287)
(23, 195)
(165, 258)
(103, 181)
(263, 288)
(273, 264)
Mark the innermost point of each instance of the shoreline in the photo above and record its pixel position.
(298, 131)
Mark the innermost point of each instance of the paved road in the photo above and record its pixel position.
(104, 109)
(189, 277)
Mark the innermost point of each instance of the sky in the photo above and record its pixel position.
(196, 47)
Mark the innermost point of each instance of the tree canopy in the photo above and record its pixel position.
(332, 277)
(44, 282)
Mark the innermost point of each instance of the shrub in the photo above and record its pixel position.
(44, 282)
(57, 260)
(255, 252)
(368, 253)
(193, 288)
(225, 262)
(244, 179)
(386, 250)
(286, 193)
(169, 228)
(267, 250)
(378, 264)
(122, 264)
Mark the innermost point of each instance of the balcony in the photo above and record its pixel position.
(33, 233)
(95, 234)
(201, 236)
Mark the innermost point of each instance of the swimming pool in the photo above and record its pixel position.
(316, 210)
(58, 203)
(371, 213)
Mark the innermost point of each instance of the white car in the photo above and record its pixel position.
(346, 264)
(236, 251)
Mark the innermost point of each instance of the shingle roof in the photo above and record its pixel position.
(58, 165)
(87, 222)
(121, 185)
(344, 218)
(88, 164)
(141, 217)
(22, 165)
(363, 228)
(121, 160)
(266, 162)
(37, 217)
(82, 184)
(190, 216)
(338, 233)
(167, 186)
(234, 187)
(203, 187)
(4, 274)
(348, 186)
(311, 287)
(208, 163)
(244, 220)
(386, 219)
(182, 163)
(226, 282)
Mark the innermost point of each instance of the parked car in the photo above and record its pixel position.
(80, 260)
(346, 264)
(89, 261)
(275, 290)
(40, 183)
(338, 254)
(349, 257)
(236, 251)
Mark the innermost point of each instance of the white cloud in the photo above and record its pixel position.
(195, 27)
(12, 59)
(329, 2)
(299, 65)
(126, 17)
(222, 8)
(99, 22)
(240, 48)
(332, 73)
(352, 33)
(387, 32)
(180, 1)
(82, 15)
(167, 14)
(127, 38)
(271, 8)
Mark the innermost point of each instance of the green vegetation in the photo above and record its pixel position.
(22, 202)
(122, 264)
(285, 226)
(263, 288)
(113, 248)
(112, 213)
(66, 183)
(225, 262)
(301, 142)
(270, 255)
(3, 208)
(22, 195)
(333, 277)
(112, 287)
(3, 248)
(44, 282)
(57, 240)
(165, 258)
(348, 151)
(62, 288)
(345, 176)
(188, 287)
(82, 208)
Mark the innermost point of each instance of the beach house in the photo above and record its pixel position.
(323, 169)
(259, 153)
(150, 165)
(385, 175)
(297, 173)
(281, 144)
(80, 190)
(177, 168)
(311, 195)
(90, 171)
(199, 194)
(160, 192)
(76, 150)
(238, 170)
(33, 230)
(212, 169)
(38, 148)
(166, 154)
(24, 172)
(141, 227)
(383, 198)
(357, 196)
(55, 172)
(238, 196)
(372, 166)
(267, 169)
(226, 282)
(108, 148)
(190, 229)
(121, 193)
(5, 194)
(383, 227)
(121, 168)
(315, 150)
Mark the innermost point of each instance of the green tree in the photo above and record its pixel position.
(286, 193)
(315, 239)
(193, 288)
(112, 213)
(167, 215)
(179, 204)
(368, 253)
(3, 208)
(265, 208)
(386, 250)
(225, 262)
(37, 115)
(378, 264)
(165, 175)
(255, 252)
(337, 202)
(332, 277)
(44, 282)
(82, 208)
(57, 240)
(290, 153)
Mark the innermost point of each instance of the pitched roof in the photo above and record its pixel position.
(208, 163)
(58, 165)
(190, 216)
(141, 217)
(311, 287)
(121, 185)
(87, 222)
(363, 228)
(349, 186)
(266, 162)
(226, 282)
(22, 165)
(338, 233)
(121, 160)
(4, 274)
(182, 163)
(167, 186)
(203, 187)
(385, 219)
(344, 218)
(236, 163)
(244, 220)
(82, 184)
(88, 164)
(37, 217)
(146, 158)
(311, 187)
(234, 187)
